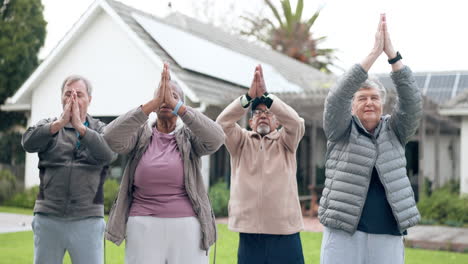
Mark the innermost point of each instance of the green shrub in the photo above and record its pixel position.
(111, 189)
(24, 199)
(219, 196)
(11, 151)
(445, 206)
(7, 185)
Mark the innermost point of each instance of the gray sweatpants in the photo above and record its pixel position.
(155, 240)
(360, 248)
(83, 239)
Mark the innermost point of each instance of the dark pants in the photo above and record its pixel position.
(269, 249)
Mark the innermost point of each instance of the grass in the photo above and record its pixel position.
(18, 248)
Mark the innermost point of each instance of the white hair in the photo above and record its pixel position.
(374, 83)
(74, 78)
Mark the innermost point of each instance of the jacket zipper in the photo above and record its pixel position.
(67, 201)
(386, 196)
(368, 183)
(260, 193)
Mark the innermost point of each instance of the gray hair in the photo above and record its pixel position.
(373, 82)
(74, 78)
(178, 90)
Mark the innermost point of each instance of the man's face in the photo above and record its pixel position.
(82, 97)
(263, 121)
(165, 112)
(367, 106)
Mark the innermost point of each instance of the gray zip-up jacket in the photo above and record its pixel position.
(352, 153)
(131, 134)
(71, 177)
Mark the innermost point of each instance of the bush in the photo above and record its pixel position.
(27, 198)
(219, 196)
(111, 189)
(24, 199)
(445, 206)
(7, 185)
(11, 151)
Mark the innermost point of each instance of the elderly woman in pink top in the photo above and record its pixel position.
(162, 209)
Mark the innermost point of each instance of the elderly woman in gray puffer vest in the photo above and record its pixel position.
(368, 204)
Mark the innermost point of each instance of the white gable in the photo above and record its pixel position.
(122, 76)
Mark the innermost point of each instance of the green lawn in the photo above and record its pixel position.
(18, 248)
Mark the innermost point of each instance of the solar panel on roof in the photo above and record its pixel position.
(438, 81)
(202, 56)
(463, 82)
(420, 81)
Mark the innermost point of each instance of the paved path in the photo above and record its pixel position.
(15, 222)
(438, 238)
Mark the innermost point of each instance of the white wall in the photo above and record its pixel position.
(122, 77)
(449, 154)
(464, 156)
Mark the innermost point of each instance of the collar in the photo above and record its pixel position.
(153, 118)
(272, 135)
(364, 130)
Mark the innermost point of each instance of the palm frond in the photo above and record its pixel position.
(311, 21)
(275, 12)
(299, 9)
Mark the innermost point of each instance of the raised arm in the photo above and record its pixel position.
(293, 125)
(122, 134)
(38, 137)
(235, 135)
(337, 114)
(95, 142)
(408, 110)
(207, 136)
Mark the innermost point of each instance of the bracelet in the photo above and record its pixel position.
(176, 108)
(267, 99)
(245, 100)
(397, 58)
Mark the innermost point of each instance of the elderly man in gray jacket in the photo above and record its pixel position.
(368, 204)
(73, 163)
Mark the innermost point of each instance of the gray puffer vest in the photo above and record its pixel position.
(352, 153)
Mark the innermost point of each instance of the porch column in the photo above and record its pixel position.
(464, 156)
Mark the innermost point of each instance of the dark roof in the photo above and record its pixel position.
(440, 87)
(212, 90)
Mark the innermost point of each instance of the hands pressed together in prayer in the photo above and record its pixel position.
(71, 114)
(382, 44)
(258, 87)
(165, 98)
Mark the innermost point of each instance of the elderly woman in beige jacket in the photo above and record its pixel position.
(264, 205)
(162, 209)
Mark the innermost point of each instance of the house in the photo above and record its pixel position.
(458, 108)
(121, 50)
(445, 129)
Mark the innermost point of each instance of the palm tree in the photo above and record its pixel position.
(291, 35)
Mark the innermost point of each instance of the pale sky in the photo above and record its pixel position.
(431, 35)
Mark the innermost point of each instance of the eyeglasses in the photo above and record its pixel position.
(258, 112)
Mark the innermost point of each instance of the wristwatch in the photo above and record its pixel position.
(245, 100)
(397, 58)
